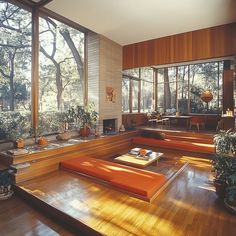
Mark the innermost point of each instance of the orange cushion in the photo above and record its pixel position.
(176, 144)
(88, 166)
(131, 179)
(138, 184)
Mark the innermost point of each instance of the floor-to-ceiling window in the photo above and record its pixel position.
(61, 76)
(61, 72)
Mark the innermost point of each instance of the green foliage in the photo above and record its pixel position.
(50, 123)
(231, 195)
(224, 163)
(5, 179)
(225, 142)
(224, 168)
(14, 125)
(82, 116)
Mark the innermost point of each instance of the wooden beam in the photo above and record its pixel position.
(42, 3)
(35, 67)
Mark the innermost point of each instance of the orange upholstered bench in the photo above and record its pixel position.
(204, 148)
(142, 184)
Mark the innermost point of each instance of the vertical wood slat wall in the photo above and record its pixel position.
(214, 42)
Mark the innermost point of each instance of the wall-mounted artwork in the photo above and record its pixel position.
(110, 94)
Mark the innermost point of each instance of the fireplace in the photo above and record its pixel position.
(109, 126)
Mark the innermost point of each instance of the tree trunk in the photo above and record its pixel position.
(80, 66)
(11, 77)
(60, 105)
(167, 94)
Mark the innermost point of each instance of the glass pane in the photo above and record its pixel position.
(182, 89)
(61, 82)
(135, 91)
(160, 97)
(170, 90)
(160, 90)
(147, 74)
(125, 94)
(204, 77)
(15, 73)
(146, 96)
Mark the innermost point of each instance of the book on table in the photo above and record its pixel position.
(136, 152)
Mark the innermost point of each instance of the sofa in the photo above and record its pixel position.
(174, 144)
(137, 182)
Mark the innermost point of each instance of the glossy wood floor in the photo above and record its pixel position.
(188, 206)
(17, 218)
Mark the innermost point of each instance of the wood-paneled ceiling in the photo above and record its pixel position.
(131, 21)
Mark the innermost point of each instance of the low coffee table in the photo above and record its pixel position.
(130, 159)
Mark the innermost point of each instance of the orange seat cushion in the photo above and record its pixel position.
(176, 144)
(128, 178)
(138, 184)
(88, 166)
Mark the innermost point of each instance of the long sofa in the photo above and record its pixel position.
(140, 183)
(204, 148)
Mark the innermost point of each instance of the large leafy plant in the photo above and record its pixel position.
(82, 116)
(224, 163)
(225, 142)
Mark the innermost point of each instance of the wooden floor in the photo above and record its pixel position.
(17, 218)
(189, 206)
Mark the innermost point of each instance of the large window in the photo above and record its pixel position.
(180, 88)
(146, 89)
(15, 71)
(207, 76)
(61, 72)
(125, 94)
(137, 90)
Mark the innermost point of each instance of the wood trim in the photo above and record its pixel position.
(47, 161)
(214, 42)
(228, 84)
(35, 68)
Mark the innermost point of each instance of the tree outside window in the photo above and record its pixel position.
(61, 72)
(15, 71)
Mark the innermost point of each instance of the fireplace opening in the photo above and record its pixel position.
(109, 126)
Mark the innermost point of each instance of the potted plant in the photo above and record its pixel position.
(82, 117)
(224, 161)
(225, 142)
(230, 196)
(5, 185)
(221, 170)
(86, 117)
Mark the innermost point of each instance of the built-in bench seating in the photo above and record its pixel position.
(204, 148)
(140, 183)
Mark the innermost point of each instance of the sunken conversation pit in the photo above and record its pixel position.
(123, 178)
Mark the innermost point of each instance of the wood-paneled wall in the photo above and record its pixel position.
(130, 120)
(214, 42)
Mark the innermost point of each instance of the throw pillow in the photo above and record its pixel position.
(156, 135)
